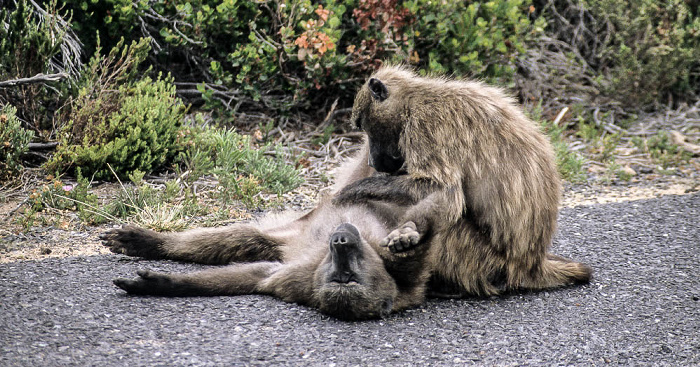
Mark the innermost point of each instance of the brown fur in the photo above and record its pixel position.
(299, 259)
(491, 168)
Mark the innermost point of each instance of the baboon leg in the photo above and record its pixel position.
(228, 281)
(135, 241)
(216, 246)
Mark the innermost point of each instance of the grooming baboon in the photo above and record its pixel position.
(350, 261)
(492, 168)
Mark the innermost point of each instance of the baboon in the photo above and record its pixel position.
(491, 167)
(351, 261)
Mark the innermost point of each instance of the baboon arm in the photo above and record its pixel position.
(292, 282)
(429, 204)
(220, 246)
(227, 281)
(401, 190)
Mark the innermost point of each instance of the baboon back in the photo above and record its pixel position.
(492, 165)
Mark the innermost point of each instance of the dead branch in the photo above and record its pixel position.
(39, 78)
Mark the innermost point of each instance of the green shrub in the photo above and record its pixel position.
(474, 38)
(14, 141)
(641, 52)
(302, 54)
(135, 128)
(655, 48)
(114, 120)
(242, 169)
(34, 43)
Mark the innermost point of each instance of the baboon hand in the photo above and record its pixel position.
(402, 239)
(134, 241)
(148, 282)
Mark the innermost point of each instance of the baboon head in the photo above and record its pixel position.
(378, 112)
(351, 283)
(416, 125)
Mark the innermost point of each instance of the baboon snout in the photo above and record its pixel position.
(385, 160)
(346, 253)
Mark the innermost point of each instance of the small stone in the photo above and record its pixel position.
(627, 170)
(45, 250)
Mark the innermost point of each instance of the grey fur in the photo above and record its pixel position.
(339, 258)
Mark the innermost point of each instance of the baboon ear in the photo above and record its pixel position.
(378, 90)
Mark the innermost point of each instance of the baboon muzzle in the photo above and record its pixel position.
(346, 254)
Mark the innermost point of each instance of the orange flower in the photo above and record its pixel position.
(302, 41)
(322, 13)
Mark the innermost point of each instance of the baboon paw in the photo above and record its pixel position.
(148, 282)
(402, 239)
(133, 241)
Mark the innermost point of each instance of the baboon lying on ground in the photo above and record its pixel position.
(350, 261)
(475, 151)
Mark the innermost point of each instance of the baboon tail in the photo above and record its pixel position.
(558, 271)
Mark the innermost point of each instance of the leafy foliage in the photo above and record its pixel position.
(481, 39)
(639, 53)
(242, 170)
(295, 54)
(14, 141)
(655, 48)
(30, 44)
(132, 126)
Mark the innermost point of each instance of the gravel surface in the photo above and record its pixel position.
(642, 308)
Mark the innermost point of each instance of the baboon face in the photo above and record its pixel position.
(352, 283)
(374, 111)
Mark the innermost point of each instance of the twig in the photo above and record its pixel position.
(11, 212)
(39, 78)
(560, 115)
(43, 146)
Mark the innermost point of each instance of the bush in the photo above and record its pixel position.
(130, 127)
(641, 52)
(138, 134)
(480, 39)
(655, 49)
(242, 169)
(14, 141)
(302, 54)
(32, 43)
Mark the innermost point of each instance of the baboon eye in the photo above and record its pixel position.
(378, 89)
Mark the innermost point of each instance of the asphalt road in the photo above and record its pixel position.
(642, 308)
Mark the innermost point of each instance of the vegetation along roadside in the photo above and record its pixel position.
(183, 113)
